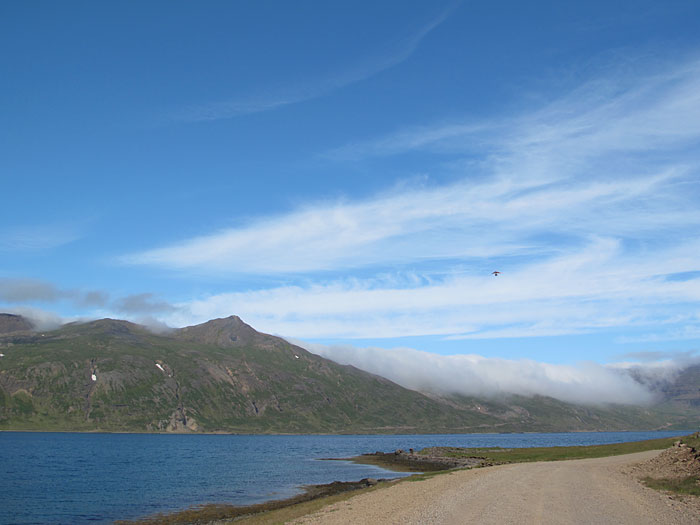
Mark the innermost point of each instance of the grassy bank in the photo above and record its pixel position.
(498, 455)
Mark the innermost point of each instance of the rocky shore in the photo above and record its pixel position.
(219, 513)
(428, 460)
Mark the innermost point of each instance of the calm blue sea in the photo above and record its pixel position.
(51, 478)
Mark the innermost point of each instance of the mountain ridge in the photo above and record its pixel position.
(10, 323)
(224, 376)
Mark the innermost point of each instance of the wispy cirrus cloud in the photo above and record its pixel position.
(34, 238)
(598, 287)
(588, 203)
(687, 330)
(615, 162)
(618, 126)
(391, 55)
(485, 220)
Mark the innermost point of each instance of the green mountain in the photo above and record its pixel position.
(224, 376)
(219, 376)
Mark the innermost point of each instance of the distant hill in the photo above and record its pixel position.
(10, 323)
(224, 376)
(685, 390)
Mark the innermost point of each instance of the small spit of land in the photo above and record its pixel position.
(597, 484)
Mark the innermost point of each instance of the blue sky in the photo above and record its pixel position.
(350, 173)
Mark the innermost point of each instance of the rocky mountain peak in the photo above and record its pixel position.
(229, 331)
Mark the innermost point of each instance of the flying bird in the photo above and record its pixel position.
(496, 273)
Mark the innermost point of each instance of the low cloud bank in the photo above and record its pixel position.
(141, 308)
(473, 375)
(16, 291)
(43, 320)
(144, 304)
(40, 319)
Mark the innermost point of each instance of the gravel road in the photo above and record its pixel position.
(596, 491)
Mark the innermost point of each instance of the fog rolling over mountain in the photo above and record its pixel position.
(586, 383)
(224, 376)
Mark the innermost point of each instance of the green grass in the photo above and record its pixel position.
(499, 455)
(689, 485)
(692, 441)
(424, 475)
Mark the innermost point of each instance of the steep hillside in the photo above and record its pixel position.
(219, 376)
(685, 390)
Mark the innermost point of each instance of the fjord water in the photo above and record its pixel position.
(98, 478)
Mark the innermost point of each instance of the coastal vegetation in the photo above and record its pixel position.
(433, 459)
(497, 455)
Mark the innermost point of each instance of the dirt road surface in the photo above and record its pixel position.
(590, 491)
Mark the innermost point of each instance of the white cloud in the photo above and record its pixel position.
(642, 111)
(474, 375)
(621, 166)
(491, 219)
(444, 137)
(597, 287)
(292, 94)
(586, 205)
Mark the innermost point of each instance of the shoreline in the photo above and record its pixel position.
(401, 461)
(427, 463)
(391, 461)
(215, 512)
(349, 433)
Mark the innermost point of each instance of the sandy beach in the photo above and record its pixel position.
(602, 490)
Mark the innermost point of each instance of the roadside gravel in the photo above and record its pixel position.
(601, 490)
